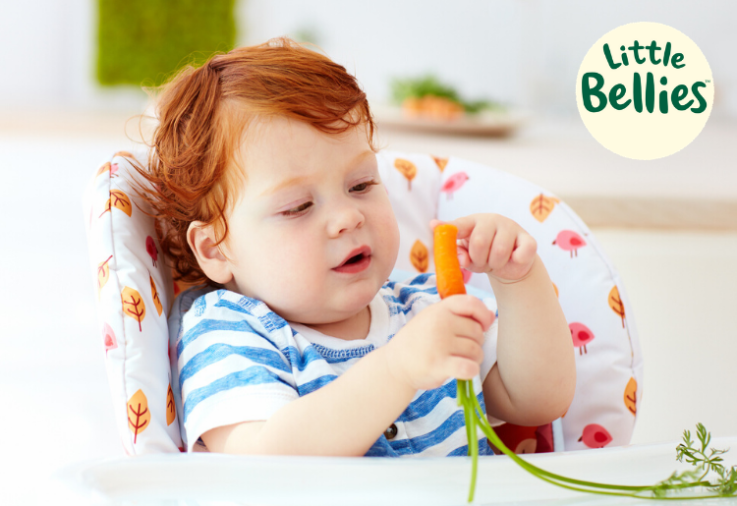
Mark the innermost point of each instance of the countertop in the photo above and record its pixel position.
(695, 188)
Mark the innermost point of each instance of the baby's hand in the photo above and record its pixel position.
(442, 341)
(493, 244)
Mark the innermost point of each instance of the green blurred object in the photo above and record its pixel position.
(430, 85)
(143, 42)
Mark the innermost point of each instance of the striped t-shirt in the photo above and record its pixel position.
(236, 361)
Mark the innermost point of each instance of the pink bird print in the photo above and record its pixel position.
(454, 183)
(151, 249)
(595, 436)
(114, 170)
(109, 336)
(568, 240)
(581, 335)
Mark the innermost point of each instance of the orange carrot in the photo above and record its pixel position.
(450, 282)
(447, 267)
(449, 279)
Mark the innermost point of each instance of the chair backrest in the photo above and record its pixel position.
(135, 293)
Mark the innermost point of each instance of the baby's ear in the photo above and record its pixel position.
(201, 239)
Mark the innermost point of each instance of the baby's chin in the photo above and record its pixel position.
(323, 307)
(331, 317)
(334, 298)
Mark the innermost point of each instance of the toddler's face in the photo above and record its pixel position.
(308, 204)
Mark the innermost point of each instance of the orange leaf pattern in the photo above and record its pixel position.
(440, 162)
(105, 167)
(419, 256)
(155, 295)
(171, 410)
(121, 201)
(107, 208)
(138, 414)
(408, 170)
(133, 305)
(541, 206)
(615, 302)
(630, 396)
(103, 274)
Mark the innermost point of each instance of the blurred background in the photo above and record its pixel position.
(72, 73)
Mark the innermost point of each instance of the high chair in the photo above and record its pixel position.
(135, 294)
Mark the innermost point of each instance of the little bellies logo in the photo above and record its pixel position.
(644, 90)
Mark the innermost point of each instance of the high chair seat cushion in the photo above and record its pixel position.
(608, 357)
(135, 294)
(134, 291)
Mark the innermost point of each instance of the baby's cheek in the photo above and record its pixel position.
(300, 276)
(388, 231)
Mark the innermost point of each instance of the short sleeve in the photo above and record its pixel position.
(233, 365)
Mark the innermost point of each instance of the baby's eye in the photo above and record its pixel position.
(296, 210)
(366, 185)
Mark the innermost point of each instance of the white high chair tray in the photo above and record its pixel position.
(210, 479)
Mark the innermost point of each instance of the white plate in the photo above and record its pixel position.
(486, 123)
(201, 478)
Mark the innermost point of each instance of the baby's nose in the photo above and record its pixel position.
(346, 219)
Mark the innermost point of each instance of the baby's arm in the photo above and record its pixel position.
(534, 379)
(343, 418)
(346, 416)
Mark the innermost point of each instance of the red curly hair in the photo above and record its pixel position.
(203, 114)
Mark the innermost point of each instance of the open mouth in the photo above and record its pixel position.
(359, 259)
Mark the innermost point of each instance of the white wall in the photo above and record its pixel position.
(524, 52)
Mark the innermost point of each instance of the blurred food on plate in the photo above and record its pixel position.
(426, 104)
(427, 97)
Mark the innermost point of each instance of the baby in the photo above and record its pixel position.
(267, 190)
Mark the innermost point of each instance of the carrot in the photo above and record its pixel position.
(449, 279)
(450, 282)
(447, 267)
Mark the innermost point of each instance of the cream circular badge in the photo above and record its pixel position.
(644, 90)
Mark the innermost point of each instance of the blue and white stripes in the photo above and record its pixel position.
(236, 361)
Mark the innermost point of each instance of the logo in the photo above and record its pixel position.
(644, 91)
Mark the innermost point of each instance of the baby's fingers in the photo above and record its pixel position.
(470, 306)
(462, 368)
(434, 223)
(525, 250)
(467, 348)
(465, 225)
(463, 259)
(501, 250)
(479, 246)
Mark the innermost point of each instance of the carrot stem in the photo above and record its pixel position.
(449, 278)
